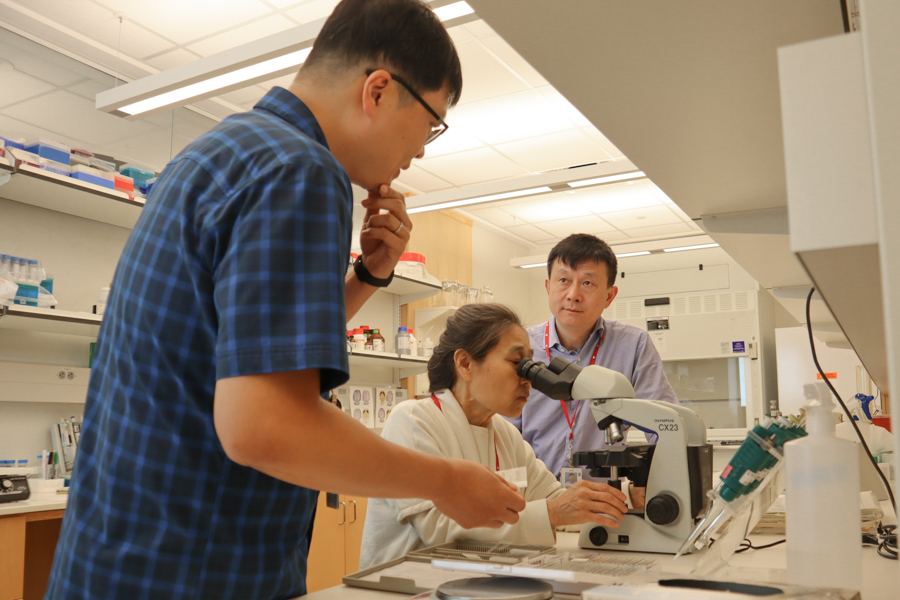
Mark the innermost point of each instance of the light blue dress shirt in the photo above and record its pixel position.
(626, 349)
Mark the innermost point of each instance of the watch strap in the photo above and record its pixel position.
(362, 273)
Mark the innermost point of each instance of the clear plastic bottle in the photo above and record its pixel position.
(5, 266)
(824, 547)
(401, 344)
(413, 343)
(427, 347)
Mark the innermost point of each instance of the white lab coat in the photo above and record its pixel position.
(397, 526)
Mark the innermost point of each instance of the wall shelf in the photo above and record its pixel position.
(411, 290)
(70, 196)
(46, 320)
(408, 365)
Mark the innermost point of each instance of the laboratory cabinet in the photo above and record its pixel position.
(715, 350)
(336, 540)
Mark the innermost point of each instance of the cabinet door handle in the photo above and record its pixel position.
(353, 502)
(344, 506)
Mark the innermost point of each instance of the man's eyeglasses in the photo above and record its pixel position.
(436, 131)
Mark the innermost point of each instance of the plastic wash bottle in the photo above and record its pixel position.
(824, 536)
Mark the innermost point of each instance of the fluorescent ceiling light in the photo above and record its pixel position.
(533, 265)
(294, 59)
(607, 179)
(479, 200)
(632, 254)
(452, 11)
(690, 247)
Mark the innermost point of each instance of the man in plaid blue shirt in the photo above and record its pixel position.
(205, 435)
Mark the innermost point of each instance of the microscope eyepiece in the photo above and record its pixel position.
(555, 380)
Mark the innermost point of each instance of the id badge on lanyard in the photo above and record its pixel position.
(570, 421)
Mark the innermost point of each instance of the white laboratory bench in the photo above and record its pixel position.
(881, 577)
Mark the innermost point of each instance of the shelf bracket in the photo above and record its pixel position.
(4, 178)
(3, 310)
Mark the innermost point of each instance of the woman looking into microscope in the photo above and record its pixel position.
(474, 384)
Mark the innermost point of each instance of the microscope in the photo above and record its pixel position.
(676, 471)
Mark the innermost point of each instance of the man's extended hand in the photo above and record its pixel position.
(473, 496)
(382, 238)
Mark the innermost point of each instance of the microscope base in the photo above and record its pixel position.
(634, 535)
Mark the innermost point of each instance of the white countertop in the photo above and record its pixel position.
(36, 503)
(881, 577)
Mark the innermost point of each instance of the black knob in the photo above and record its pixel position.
(598, 536)
(662, 509)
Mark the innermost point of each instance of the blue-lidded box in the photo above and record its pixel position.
(49, 149)
(12, 142)
(55, 167)
(95, 176)
(139, 174)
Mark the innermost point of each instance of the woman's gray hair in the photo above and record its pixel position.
(475, 328)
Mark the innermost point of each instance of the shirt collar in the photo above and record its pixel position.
(554, 336)
(288, 106)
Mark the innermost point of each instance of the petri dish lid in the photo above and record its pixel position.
(495, 588)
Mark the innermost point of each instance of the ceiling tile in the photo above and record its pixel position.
(511, 117)
(460, 34)
(565, 227)
(553, 151)
(497, 216)
(471, 166)
(513, 60)
(286, 3)
(284, 81)
(658, 230)
(615, 197)
(88, 88)
(548, 208)
(100, 24)
(15, 128)
(243, 97)
(483, 75)
(563, 105)
(40, 62)
(312, 11)
(529, 232)
(18, 86)
(604, 143)
(455, 139)
(76, 117)
(422, 180)
(613, 236)
(479, 28)
(175, 58)
(241, 35)
(642, 217)
(184, 22)
(660, 194)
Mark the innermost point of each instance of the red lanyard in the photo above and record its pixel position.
(570, 421)
(440, 408)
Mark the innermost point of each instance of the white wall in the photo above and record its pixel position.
(81, 255)
(796, 368)
(522, 289)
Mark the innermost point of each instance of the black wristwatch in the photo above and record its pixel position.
(362, 273)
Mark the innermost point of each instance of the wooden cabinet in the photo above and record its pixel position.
(337, 536)
(27, 544)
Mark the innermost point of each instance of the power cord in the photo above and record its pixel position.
(812, 347)
(748, 545)
(887, 535)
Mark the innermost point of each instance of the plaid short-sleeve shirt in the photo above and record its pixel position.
(235, 267)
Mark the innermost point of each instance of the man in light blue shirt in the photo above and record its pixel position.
(582, 271)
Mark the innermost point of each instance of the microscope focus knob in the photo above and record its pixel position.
(598, 536)
(662, 509)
